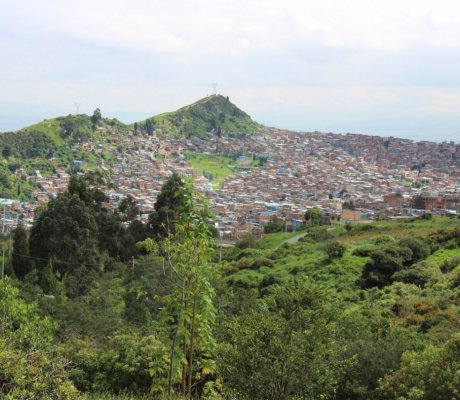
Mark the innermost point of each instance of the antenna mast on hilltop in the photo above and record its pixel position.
(214, 88)
(77, 108)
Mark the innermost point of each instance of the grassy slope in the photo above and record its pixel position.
(307, 256)
(218, 166)
(51, 127)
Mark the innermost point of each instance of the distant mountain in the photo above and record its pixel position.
(215, 114)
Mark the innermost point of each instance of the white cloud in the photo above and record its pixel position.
(238, 27)
(330, 56)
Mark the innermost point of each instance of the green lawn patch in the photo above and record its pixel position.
(215, 168)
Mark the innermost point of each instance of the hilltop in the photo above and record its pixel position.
(214, 113)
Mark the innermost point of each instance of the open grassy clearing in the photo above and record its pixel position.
(51, 128)
(215, 168)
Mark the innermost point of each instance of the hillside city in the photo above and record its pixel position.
(350, 177)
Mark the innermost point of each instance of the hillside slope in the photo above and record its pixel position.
(48, 145)
(211, 114)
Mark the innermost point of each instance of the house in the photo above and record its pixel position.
(350, 216)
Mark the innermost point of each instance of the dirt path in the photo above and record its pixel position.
(296, 238)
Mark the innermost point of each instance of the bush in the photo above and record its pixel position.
(419, 248)
(28, 367)
(246, 241)
(450, 264)
(254, 263)
(334, 249)
(419, 274)
(321, 235)
(383, 264)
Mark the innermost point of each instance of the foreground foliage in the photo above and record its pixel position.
(366, 311)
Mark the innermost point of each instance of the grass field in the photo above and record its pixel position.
(215, 167)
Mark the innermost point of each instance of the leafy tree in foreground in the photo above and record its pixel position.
(73, 235)
(431, 374)
(286, 347)
(65, 234)
(28, 368)
(188, 311)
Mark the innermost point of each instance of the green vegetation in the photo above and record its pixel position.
(215, 168)
(214, 114)
(97, 305)
(50, 145)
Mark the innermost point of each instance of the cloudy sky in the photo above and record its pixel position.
(378, 67)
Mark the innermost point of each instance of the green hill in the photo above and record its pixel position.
(50, 144)
(211, 114)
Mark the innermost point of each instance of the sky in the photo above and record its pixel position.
(388, 68)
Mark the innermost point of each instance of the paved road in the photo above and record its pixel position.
(296, 238)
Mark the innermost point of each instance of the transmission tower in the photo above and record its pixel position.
(214, 88)
(77, 108)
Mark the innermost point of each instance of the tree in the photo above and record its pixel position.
(21, 262)
(383, 264)
(334, 249)
(430, 374)
(188, 311)
(313, 215)
(274, 225)
(149, 126)
(65, 236)
(128, 209)
(170, 200)
(28, 368)
(96, 117)
(420, 249)
(375, 344)
(284, 348)
(71, 234)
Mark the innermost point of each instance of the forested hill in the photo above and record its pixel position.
(214, 113)
(51, 145)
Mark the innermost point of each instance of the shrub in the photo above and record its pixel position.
(419, 274)
(253, 263)
(334, 249)
(246, 241)
(450, 264)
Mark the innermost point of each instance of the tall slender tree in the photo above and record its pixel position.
(21, 262)
(171, 199)
(188, 311)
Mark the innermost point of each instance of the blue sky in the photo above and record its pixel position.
(387, 68)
